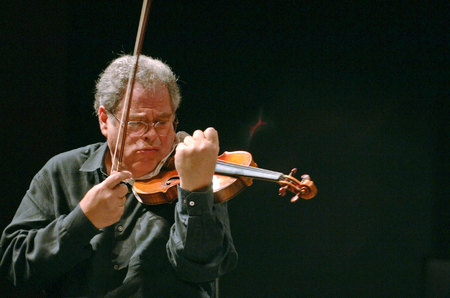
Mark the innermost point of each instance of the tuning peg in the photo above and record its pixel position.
(282, 191)
(294, 198)
(293, 171)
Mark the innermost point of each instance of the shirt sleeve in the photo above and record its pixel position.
(200, 247)
(39, 246)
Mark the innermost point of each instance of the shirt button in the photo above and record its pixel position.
(191, 203)
(120, 228)
(116, 267)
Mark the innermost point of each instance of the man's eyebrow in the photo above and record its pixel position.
(163, 115)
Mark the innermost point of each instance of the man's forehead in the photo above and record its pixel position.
(156, 99)
(155, 113)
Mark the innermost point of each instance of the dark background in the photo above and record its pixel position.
(353, 93)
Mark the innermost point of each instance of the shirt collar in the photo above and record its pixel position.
(96, 160)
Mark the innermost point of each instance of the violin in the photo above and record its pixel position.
(234, 171)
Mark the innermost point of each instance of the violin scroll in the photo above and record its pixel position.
(305, 189)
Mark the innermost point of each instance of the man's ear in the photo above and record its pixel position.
(103, 120)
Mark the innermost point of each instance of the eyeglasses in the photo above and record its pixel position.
(139, 128)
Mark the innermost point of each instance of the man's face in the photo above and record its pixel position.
(142, 153)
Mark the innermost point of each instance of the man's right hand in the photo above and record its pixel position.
(104, 203)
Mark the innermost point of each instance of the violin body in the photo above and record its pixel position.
(162, 188)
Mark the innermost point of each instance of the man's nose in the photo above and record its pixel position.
(151, 133)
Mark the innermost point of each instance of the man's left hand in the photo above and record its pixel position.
(195, 159)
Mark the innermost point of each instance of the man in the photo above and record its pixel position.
(79, 231)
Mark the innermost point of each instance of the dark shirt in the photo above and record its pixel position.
(159, 251)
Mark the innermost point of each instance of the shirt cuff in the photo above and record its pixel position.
(196, 203)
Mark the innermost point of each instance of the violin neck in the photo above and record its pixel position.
(232, 169)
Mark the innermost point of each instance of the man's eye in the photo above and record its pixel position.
(135, 123)
(163, 123)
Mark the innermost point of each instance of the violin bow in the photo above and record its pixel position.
(121, 135)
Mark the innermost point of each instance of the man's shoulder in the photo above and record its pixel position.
(75, 157)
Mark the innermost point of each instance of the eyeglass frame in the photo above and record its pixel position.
(148, 124)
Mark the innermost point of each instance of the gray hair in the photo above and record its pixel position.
(112, 83)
